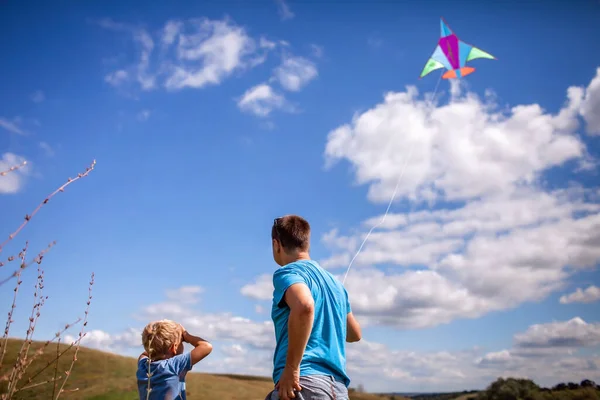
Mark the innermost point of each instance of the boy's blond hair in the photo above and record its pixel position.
(159, 336)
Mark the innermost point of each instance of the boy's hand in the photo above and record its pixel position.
(184, 335)
(201, 349)
(289, 383)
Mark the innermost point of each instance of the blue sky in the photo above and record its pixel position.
(201, 141)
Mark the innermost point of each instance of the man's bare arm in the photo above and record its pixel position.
(353, 331)
(302, 311)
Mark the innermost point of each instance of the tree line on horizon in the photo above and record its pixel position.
(526, 389)
(518, 389)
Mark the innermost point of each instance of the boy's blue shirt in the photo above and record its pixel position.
(168, 377)
(326, 351)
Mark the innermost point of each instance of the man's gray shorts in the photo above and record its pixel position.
(317, 387)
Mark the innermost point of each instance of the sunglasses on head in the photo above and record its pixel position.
(275, 223)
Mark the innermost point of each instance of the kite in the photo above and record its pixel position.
(452, 53)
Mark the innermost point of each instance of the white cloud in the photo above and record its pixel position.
(48, 150)
(284, 10)
(489, 255)
(295, 73)
(185, 294)
(383, 369)
(198, 52)
(12, 181)
(574, 333)
(181, 305)
(380, 368)
(317, 50)
(266, 44)
(238, 359)
(261, 289)
(108, 23)
(140, 72)
(474, 265)
(552, 348)
(193, 53)
(465, 278)
(222, 326)
(12, 126)
(144, 77)
(413, 299)
(143, 115)
(170, 32)
(117, 78)
(211, 53)
(589, 295)
(590, 108)
(98, 339)
(482, 226)
(259, 309)
(245, 346)
(261, 100)
(38, 96)
(463, 141)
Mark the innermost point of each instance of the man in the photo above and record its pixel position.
(312, 317)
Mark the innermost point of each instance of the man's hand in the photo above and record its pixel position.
(289, 381)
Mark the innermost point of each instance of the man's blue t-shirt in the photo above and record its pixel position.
(325, 352)
(168, 377)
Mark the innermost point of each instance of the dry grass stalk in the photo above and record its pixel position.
(23, 360)
(13, 168)
(56, 369)
(10, 320)
(40, 351)
(40, 384)
(150, 351)
(46, 200)
(37, 259)
(8, 260)
(81, 335)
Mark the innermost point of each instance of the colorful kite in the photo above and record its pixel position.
(452, 54)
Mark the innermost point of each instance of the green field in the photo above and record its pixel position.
(104, 376)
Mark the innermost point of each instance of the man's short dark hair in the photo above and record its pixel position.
(292, 231)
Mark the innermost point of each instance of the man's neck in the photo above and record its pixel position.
(301, 255)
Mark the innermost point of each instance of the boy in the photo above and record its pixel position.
(163, 344)
(312, 318)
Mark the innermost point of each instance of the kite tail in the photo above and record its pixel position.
(395, 189)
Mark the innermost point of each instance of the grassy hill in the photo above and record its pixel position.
(104, 376)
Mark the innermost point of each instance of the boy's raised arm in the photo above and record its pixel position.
(201, 349)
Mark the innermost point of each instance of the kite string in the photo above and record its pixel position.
(395, 189)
